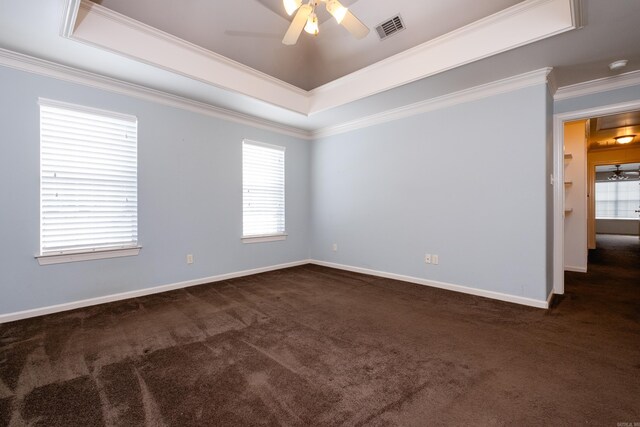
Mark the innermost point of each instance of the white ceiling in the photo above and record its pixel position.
(611, 31)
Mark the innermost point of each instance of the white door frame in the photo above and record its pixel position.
(558, 178)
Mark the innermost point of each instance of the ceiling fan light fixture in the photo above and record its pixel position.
(337, 10)
(291, 6)
(306, 19)
(312, 25)
(618, 175)
(624, 139)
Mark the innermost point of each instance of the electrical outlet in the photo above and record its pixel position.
(435, 259)
(189, 258)
(427, 258)
(334, 247)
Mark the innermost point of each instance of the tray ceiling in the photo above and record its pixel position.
(250, 32)
(518, 25)
(46, 38)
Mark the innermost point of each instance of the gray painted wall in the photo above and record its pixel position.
(469, 183)
(617, 226)
(189, 179)
(383, 194)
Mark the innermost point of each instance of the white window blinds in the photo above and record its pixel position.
(262, 189)
(88, 186)
(617, 199)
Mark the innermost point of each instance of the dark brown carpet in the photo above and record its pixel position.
(316, 346)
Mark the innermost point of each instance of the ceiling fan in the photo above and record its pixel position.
(620, 175)
(306, 19)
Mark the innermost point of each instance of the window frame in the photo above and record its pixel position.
(267, 237)
(85, 254)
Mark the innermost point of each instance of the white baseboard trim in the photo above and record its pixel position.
(442, 285)
(25, 314)
(574, 268)
(10, 317)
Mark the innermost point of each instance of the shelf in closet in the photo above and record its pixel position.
(568, 156)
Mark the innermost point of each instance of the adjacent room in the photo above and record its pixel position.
(319, 212)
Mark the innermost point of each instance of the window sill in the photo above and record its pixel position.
(264, 238)
(86, 256)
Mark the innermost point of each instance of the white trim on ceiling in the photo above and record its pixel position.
(521, 24)
(468, 95)
(98, 26)
(61, 72)
(578, 12)
(605, 84)
(516, 26)
(69, 17)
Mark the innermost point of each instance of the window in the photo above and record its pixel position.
(617, 199)
(88, 183)
(262, 192)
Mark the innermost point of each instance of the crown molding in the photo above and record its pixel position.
(578, 13)
(468, 95)
(41, 67)
(69, 16)
(599, 85)
(45, 68)
(170, 38)
(521, 24)
(101, 27)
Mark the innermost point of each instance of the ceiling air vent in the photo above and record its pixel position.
(389, 27)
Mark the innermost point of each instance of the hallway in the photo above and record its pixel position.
(613, 275)
(612, 284)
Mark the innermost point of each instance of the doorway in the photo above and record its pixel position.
(612, 122)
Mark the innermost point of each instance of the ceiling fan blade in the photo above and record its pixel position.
(354, 25)
(291, 37)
